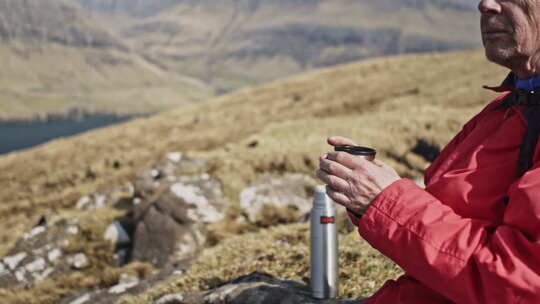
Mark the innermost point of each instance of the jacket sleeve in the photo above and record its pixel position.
(469, 261)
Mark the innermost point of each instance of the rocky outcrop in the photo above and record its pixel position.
(291, 191)
(127, 284)
(40, 254)
(170, 224)
(256, 288)
(168, 207)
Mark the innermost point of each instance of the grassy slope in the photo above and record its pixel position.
(386, 103)
(55, 57)
(38, 79)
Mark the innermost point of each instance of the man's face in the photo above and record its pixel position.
(510, 30)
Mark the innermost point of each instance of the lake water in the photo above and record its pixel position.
(25, 134)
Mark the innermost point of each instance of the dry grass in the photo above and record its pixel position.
(385, 103)
(96, 80)
(284, 253)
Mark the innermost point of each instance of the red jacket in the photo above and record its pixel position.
(472, 236)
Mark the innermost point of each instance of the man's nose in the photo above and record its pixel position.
(489, 7)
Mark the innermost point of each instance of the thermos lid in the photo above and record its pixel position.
(322, 200)
(357, 150)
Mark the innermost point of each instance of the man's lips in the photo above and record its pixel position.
(494, 33)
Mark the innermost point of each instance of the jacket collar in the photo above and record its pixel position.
(507, 85)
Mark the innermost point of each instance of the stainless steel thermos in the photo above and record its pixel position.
(324, 246)
(324, 241)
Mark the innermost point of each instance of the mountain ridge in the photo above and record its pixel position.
(179, 51)
(37, 21)
(245, 43)
(55, 65)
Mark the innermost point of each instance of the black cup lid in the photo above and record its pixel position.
(356, 150)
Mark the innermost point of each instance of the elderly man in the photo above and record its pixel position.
(472, 236)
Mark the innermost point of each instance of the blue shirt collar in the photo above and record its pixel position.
(529, 84)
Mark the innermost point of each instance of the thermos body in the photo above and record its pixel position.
(324, 247)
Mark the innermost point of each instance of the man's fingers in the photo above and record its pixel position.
(340, 141)
(335, 168)
(338, 197)
(345, 159)
(332, 180)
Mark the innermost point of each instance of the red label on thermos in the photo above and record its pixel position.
(328, 220)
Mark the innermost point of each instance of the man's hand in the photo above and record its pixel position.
(353, 181)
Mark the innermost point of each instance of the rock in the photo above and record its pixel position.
(117, 235)
(292, 190)
(256, 288)
(72, 230)
(81, 300)
(37, 255)
(38, 277)
(174, 156)
(83, 202)
(121, 257)
(3, 269)
(171, 225)
(193, 195)
(158, 235)
(54, 255)
(36, 265)
(37, 230)
(127, 285)
(176, 298)
(20, 275)
(78, 261)
(92, 202)
(13, 261)
(155, 173)
(126, 282)
(170, 169)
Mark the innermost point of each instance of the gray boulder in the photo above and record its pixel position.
(293, 191)
(170, 226)
(117, 235)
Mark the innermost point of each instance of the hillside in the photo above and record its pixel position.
(38, 22)
(56, 58)
(236, 44)
(145, 56)
(394, 104)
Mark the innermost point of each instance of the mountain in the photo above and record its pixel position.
(145, 8)
(136, 8)
(233, 44)
(39, 22)
(56, 58)
(144, 56)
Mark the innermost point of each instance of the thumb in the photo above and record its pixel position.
(340, 141)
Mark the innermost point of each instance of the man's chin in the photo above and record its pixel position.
(499, 55)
